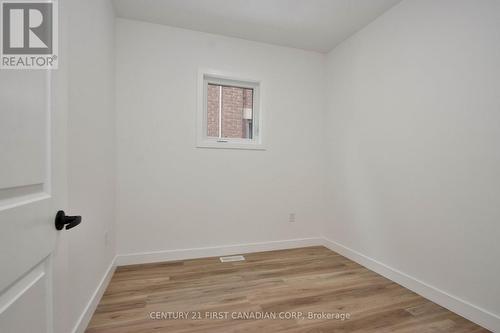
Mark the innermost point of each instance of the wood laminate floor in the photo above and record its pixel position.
(296, 282)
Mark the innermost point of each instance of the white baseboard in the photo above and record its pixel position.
(83, 321)
(463, 308)
(182, 254)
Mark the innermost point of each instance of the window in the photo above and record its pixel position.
(228, 113)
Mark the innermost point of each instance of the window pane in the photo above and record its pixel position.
(213, 92)
(237, 112)
(231, 106)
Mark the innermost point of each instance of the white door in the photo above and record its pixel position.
(29, 199)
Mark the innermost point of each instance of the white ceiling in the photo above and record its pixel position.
(317, 25)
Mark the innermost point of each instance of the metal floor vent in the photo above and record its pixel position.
(231, 258)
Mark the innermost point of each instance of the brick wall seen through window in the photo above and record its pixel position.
(233, 108)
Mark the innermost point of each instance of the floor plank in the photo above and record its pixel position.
(288, 284)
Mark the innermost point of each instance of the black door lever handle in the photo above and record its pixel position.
(69, 221)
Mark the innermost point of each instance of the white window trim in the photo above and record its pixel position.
(203, 141)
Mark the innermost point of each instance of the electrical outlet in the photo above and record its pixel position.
(106, 238)
(291, 217)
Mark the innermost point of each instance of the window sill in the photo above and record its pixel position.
(212, 144)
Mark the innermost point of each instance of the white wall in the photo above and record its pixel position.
(83, 257)
(172, 195)
(414, 145)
